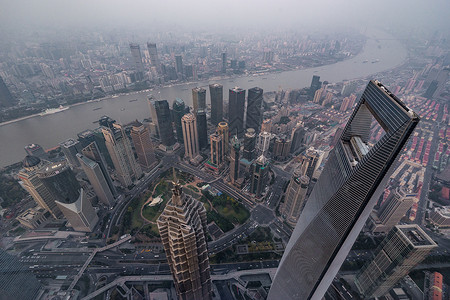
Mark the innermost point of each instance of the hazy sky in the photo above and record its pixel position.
(212, 14)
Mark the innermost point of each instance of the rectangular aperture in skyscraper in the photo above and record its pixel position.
(352, 180)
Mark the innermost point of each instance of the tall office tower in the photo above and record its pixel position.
(254, 109)
(60, 181)
(17, 281)
(315, 85)
(140, 135)
(202, 127)
(259, 172)
(93, 153)
(161, 115)
(119, 148)
(234, 159)
(86, 137)
(137, 57)
(179, 110)
(393, 209)
(352, 181)
(70, 148)
(179, 64)
(236, 107)
(190, 135)
(32, 184)
(223, 130)
(80, 214)
(402, 249)
(311, 161)
(441, 79)
(34, 150)
(297, 134)
(263, 143)
(434, 288)
(216, 150)
(154, 59)
(99, 139)
(198, 98)
(216, 93)
(224, 62)
(281, 147)
(348, 88)
(182, 226)
(249, 144)
(295, 197)
(97, 179)
(6, 99)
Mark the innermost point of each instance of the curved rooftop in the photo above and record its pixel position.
(30, 161)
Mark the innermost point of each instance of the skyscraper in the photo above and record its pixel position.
(234, 159)
(31, 182)
(202, 127)
(179, 66)
(198, 98)
(311, 161)
(17, 281)
(137, 57)
(190, 135)
(263, 143)
(393, 209)
(249, 144)
(254, 109)
(222, 129)
(35, 150)
(224, 62)
(182, 226)
(259, 172)
(216, 93)
(179, 110)
(160, 110)
(140, 135)
(216, 150)
(297, 134)
(315, 85)
(236, 107)
(353, 179)
(70, 148)
(119, 148)
(154, 59)
(6, 99)
(295, 197)
(402, 249)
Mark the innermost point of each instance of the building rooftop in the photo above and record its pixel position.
(68, 143)
(416, 235)
(30, 161)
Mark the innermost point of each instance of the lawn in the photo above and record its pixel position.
(231, 209)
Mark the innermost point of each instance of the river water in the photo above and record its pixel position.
(49, 130)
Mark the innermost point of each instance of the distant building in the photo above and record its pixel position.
(161, 115)
(31, 182)
(6, 99)
(315, 85)
(223, 130)
(236, 108)
(182, 226)
(259, 173)
(254, 109)
(16, 280)
(295, 198)
(119, 148)
(70, 148)
(179, 109)
(179, 66)
(348, 88)
(404, 247)
(224, 62)
(393, 209)
(190, 135)
(199, 98)
(249, 152)
(140, 135)
(35, 150)
(202, 127)
(154, 58)
(137, 57)
(434, 287)
(234, 159)
(216, 93)
(440, 217)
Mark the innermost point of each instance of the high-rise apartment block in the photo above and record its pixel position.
(190, 135)
(182, 226)
(140, 135)
(216, 93)
(198, 98)
(349, 186)
(121, 153)
(254, 109)
(402, 249)
(311, 161)
(236, 107)
(70, 148)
